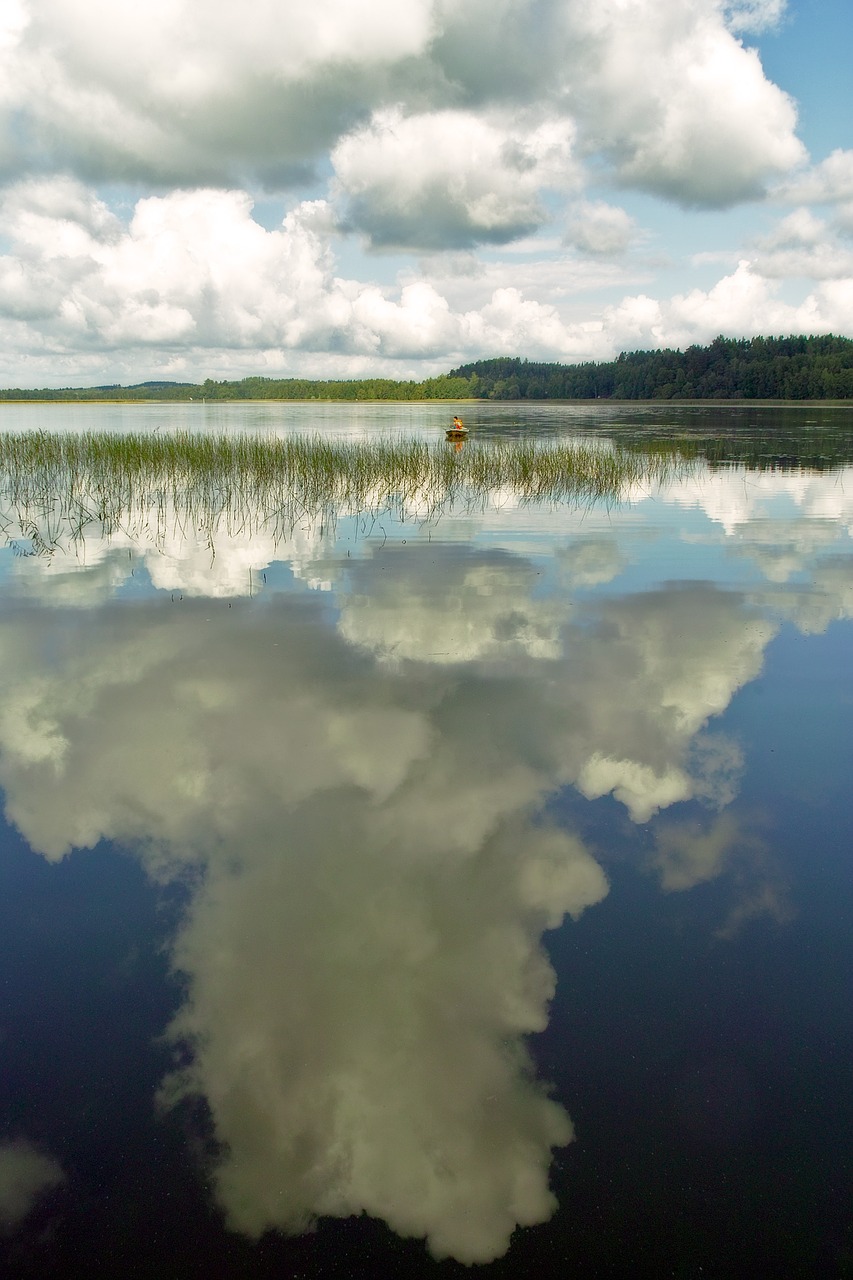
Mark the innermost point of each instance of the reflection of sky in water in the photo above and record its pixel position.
(369, 772)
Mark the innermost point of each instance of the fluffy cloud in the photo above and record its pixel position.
(829, 182)
(450, 179)
(192, 275)
(679, 105)
(599, 228)
(193, 272)
(426, 125)
(827, 598)
(453, 612)
(785, 548)
(193, 269)
(803, 245)
(636, 736)
(590, 561)
(745, 303)
(636, 700)
(196, 94)
(691, 853)
(26, 1174)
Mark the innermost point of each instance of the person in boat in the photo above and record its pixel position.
(458, 424)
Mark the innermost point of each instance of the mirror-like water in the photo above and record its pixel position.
(420, 881)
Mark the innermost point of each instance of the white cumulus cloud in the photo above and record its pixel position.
(682, 108)
(451, 179)
(196, 93)
(829, 182)
(424, 126)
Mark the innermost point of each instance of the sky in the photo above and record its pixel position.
(355, 188)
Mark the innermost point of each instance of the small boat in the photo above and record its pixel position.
(458, 431)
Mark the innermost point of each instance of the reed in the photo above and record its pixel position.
(72, 480)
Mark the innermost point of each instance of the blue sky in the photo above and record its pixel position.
(809, 55)
(353, 187)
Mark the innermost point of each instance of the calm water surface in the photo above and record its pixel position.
(473, 889)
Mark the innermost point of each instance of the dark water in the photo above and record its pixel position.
(346, 877)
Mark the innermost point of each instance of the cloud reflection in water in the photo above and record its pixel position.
(361, 792)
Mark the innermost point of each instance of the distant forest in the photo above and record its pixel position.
(793, 368)
(796, 368)
(441, 388)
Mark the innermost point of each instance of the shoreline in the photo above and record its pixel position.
(600, 400)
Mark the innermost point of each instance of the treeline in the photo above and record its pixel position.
(794, 368)
(444, 387)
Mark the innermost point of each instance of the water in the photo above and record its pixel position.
(351, 869)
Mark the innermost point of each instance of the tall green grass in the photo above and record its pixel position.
(74, 480)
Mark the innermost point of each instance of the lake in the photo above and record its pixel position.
(435, 879)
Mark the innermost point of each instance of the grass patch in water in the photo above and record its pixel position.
(69, 480)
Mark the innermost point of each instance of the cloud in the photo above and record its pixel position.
(844, 219)
(754, 15)
(634, 705)
(26, 1174)
(451, 179)
(423, 126)
(830, 182)
(641, 752)
(807, 560)
(193, 273)
(193, 276)
(783, 549)
(745, 303)
(680, 106)
(196, 95)
(222, 554)
(636, 700)
(194, 270)
(802, 245)
(599, 228)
